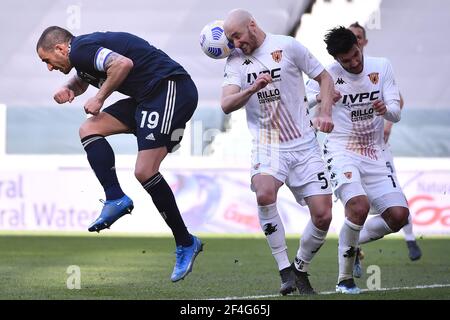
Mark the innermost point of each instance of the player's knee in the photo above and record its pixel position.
(139, 175)
(142, 174)
(265, 197)
(321, 217)
(84, 130)
(323, 221)
(397, 218)
(357, 209)
(87, 129)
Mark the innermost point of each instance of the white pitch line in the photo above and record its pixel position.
(431, 286)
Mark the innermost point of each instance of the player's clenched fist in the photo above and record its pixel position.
(323, 123)
(93, 106)
(261, 82)
(64, 95)
(379, 107)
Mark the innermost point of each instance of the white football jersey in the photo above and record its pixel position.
(357, 128)
(277, 114)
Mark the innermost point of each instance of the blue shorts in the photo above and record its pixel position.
(161, 118)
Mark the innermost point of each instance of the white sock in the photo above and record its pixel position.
(273, 228)
(310, 242)
(408, 230)
(374, 229)
(348, 241)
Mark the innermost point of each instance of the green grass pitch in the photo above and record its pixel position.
(34, 266)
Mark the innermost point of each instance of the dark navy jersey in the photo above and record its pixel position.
(88, 54)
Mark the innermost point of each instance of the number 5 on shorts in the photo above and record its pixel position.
(321, 176)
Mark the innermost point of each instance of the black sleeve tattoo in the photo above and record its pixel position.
(77, 85)
(112, 57)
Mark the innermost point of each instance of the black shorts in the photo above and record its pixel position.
(160, 119)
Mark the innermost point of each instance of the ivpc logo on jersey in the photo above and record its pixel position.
(360, 97)
(274, 73)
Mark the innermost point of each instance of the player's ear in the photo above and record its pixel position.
(61, 48)
(252, 25)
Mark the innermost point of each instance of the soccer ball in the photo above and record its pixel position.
(213, 41)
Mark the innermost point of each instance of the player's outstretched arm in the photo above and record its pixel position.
(233, 98)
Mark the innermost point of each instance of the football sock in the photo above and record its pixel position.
(374, 229)
(408, 230)
(310, 242)
(273, 228)
(101, 158)
(348, 241)
(164, 201)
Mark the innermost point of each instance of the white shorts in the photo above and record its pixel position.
(352, 176)
(303, 172)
